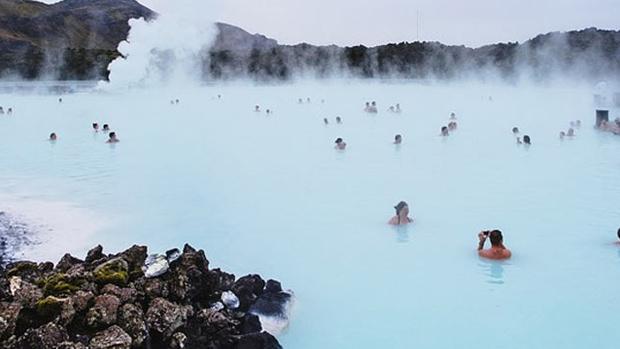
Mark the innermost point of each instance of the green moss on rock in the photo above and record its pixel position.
(59, 284)
(49, 307)
(115, 271)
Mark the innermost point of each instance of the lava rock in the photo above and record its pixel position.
(131, 319)
(165, 317)
(112, 338)
(96, 253)
(104, 312)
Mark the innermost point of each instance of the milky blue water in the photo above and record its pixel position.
(270, 195)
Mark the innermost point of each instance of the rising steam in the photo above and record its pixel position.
(169, 49)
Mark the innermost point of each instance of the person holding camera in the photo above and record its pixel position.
(497, 251)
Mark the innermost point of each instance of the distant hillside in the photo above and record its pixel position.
(76, 39)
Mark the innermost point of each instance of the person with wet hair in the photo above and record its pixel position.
(452, 116)
(527, 140)
(445, 131)
(10, 111)
(112, 138)
(497, 250)
(95, 127)
(571, 132)
(1, 111)
(53, 137)
(325, 121)
(619, 235)
(367, 107)
(257, 108)
(308, 100)
(398, 110)
(106, 128)
(562, 134)
(338, 120)
(340, 144)
(59, 100)
(515, 130)
(578, 123)
(398, 139)
(392, 109)
(452, 126)
(402, 215)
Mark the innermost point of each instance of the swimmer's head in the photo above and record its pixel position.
(398, 139)
(526, 139)
(53, 136)
(338, 119)
(95, 126)
(571, 132)
(112, 135)
(619, 233)
(338, 140)
(402, 208)
(515, 130)
(106, 127)
(496, 237)
(562, 134)
(444, 130)
(374, 103)
(325, 121)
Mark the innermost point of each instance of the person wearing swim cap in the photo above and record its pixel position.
(497, 250)
(402, 214)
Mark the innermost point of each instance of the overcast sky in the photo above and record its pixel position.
(371, 22)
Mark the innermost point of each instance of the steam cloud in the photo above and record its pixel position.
(167, 50)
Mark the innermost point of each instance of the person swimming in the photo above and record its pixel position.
(338, 120)
(497, 250)
(445, 131)
(95, 127)
(571, 132)
(392, 109)
(308, 100)
(106, 128)
(325, 121)
(10, 111)
(515, 130)
(398, 110)
(402, 215)
(527, 140)
(398, 139)
(452, 116)
(112, 138)
(53, 137)
(452, 125)
(268, 111)
(367, 107)
(340, 144)
(1, 111)
(176, 101)
(300, 101)
(257, 108)
(59, 100)
(578, 123)
(562, 134)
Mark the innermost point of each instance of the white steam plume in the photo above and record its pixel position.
(168, 49)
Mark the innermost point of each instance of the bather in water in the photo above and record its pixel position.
(398, 139)
(340, 144)
(402, 215)
(444, 131)
(497, 250)
(112, 138)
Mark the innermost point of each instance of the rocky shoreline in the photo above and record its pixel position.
(131, 300)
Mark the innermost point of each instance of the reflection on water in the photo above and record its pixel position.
(494, 270)
(402, 233)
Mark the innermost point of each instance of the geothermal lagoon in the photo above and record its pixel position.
(269, 194)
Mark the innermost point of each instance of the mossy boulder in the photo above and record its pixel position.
(49, 307)
(60, 284)
(114, 271)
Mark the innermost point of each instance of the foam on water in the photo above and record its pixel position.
(269, 195)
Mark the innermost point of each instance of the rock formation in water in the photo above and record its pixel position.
(77, 39)
(127, 301)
